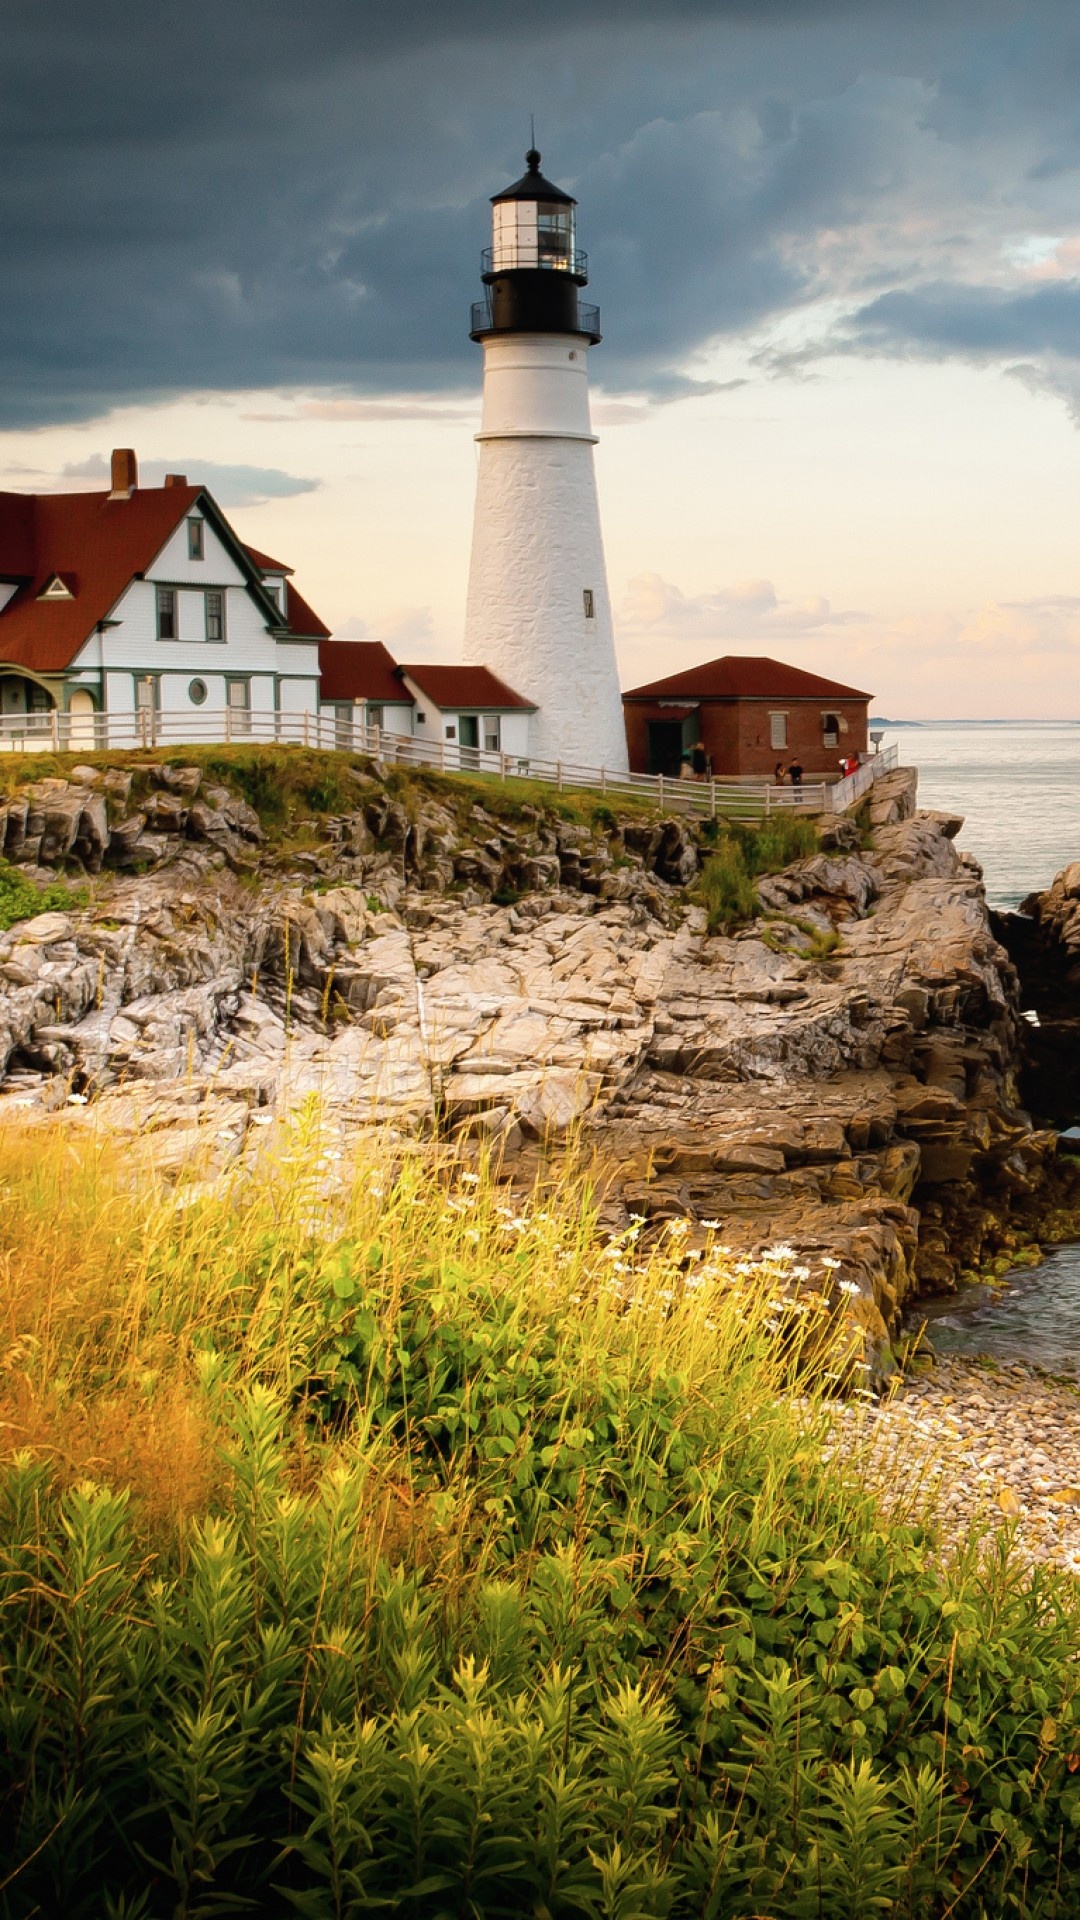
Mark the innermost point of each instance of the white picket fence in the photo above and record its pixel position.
(103, 732)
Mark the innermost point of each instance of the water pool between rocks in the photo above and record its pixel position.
(1034, 1319)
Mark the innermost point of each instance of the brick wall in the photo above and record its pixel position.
(735, 734)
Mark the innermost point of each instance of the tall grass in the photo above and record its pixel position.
(495, 1570)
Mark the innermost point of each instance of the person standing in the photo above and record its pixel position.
(795, 775)
(779, 773)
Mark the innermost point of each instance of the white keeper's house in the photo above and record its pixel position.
(143, 600)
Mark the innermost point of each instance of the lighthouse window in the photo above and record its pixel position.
(554, 234)
(590, 603)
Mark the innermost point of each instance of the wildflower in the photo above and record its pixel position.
(801, 1273)
(827, 1261)
(849, 1286)
(470, 1179)
(713, 1225)
(780, 1252)
(473, 1235)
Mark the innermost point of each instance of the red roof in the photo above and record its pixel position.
(303, 619)
(454, 688)
(360, 670)
(99, 542)
(744, 677)
(265, 564)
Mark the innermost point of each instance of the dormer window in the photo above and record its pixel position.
(195, 540)
(56, 588)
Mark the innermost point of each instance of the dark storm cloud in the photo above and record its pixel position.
(975, 322)
(253, 194)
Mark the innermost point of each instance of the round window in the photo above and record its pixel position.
(197, 692)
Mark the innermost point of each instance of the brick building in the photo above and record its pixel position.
(740, 715)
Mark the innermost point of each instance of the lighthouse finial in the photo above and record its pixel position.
(532, 158)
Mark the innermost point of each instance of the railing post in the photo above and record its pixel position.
(558, 774)
(442, 753)
(502, 766)
(712, 799)
(305, 728)
(55, 729)
(660, 789)
(603, 779)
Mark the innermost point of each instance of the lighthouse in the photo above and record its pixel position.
(538, 611)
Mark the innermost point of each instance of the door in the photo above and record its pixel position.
(239, 714)
(665, 747)
(147, 706)
(469, 735)
(81, 719)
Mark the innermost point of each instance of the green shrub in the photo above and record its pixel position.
(725, 887)
(21, 900)
(781, 839)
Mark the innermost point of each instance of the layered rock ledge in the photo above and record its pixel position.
(1044, 942)
(840, 1075)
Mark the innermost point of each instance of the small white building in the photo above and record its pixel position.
(467, 711)
(455, 714)
(361, 686)
(143, 601)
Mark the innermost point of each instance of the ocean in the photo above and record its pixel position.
(1017, 785)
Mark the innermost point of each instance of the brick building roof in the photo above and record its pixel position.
(744, 677)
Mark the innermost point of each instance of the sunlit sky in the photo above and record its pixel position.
(836, 253)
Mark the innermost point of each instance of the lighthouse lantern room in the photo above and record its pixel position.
(538, 611)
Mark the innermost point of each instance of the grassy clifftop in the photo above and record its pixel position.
(370, 1545)
(290, 782)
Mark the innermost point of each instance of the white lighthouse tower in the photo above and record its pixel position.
(538, 611)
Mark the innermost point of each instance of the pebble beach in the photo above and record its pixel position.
(973, 1442)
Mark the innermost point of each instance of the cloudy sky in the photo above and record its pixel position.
(836, 246)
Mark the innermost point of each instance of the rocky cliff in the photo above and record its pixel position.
(839, 1075)
(1043, 940)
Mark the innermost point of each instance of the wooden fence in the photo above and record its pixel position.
(750, 800)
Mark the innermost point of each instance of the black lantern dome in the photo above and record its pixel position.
(533, 267)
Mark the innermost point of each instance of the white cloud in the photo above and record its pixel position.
(746, 610)
(398, 628)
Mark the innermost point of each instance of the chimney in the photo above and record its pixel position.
(125, 473)
(176, 479)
